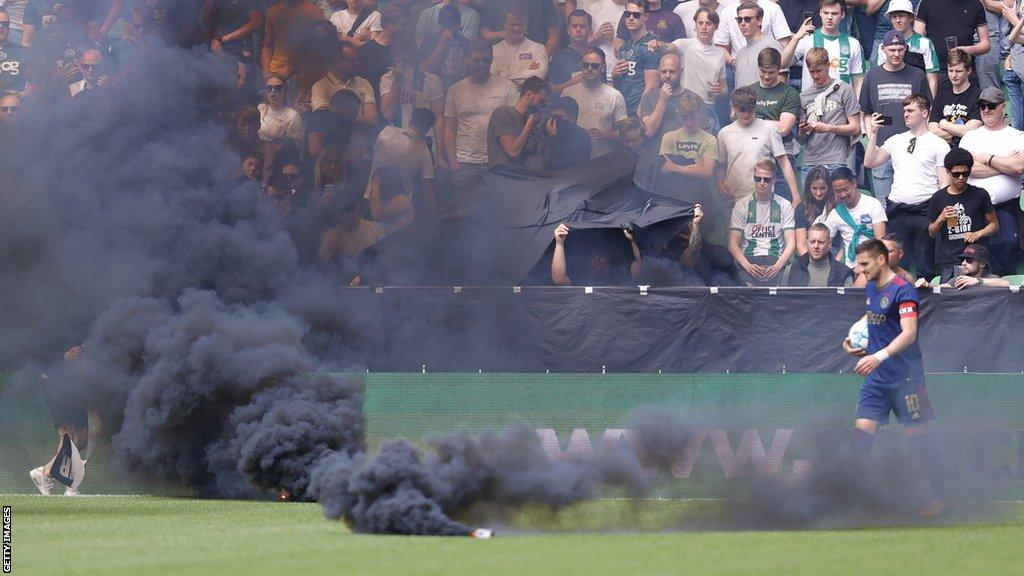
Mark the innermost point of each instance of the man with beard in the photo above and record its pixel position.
(510, 131)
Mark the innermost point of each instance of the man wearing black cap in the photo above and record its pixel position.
(430, 20)
(885, 88)
(974, 269)
(445, 53)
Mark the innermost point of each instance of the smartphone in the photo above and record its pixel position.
(885, 120)
(808, 15)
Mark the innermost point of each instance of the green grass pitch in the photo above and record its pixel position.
(152, 535)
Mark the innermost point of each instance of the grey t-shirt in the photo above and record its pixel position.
(669, 120)
(746, 60)
(883, 91)
(506, 121)
(823, 147)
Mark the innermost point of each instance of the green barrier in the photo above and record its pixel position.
(744, 426)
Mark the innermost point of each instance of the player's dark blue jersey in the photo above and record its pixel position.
(886, 305)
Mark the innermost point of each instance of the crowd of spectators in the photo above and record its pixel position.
(800, 128)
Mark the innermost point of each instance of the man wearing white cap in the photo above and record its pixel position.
(920, 50)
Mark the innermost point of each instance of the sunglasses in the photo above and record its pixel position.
(5, 24)
(744, 19)
(88, 66)
(912, 145)
(763, 179)
(591, 66)
(486, 60)
(275, 87)
(634, 15)
(969, 260)
(9, 108)
(961, 175)
(988, 105)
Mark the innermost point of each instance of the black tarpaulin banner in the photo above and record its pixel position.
(500, 231)
(751, 330)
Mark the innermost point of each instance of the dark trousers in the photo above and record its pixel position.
(910, 223)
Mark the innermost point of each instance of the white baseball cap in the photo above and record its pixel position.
(899, 6)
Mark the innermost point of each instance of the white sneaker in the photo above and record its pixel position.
(70, 491)
(42, 482)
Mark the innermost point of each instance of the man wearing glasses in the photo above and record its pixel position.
(13, 59)
(998, 151)
(960, 214)
(601, 106)
(637, 69)
(467, 111)
(917, 156)
(885, 88)
(762, 233)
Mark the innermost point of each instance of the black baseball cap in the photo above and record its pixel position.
(977, 252)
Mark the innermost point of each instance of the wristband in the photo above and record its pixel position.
(881, 355)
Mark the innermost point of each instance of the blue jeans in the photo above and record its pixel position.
(881, 181)
(1016, 94)
(987, 65)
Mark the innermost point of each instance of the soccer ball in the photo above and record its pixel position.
(859, 334)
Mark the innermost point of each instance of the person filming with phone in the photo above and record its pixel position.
(885, 88)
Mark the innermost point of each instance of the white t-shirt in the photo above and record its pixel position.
(431, 92)
(773, 25)
(471, 105)
(740, 148)
(343, 21)
(602, 11)
(517, 63)
(600, 108)
(701, 64)
(330, 85)
(277, 124)
(687, 10)
(867, 212)
(764, 234)
(405, 150)
(916, 175)
(982, 141)
(841, 67)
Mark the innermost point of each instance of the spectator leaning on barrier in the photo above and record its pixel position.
(917, 158)
(894, 244)
(830, 122)
(856, 217)
(955, 110)
(744, 142)
(998, 151)
(884, 89)
(817, 268)
(761, 237)
(601, 106)
(846, 61)
(959, 214)
(975, 269)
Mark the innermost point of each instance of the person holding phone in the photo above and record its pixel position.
(885, 88)
(829, 119)
(846, 60)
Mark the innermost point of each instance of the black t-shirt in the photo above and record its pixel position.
(956, 108)
(336, 130)
(373, 63)
(570, 146)
(13, 67)
(541, 13)
(971, 206)
(884, 91)
(945, 18)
